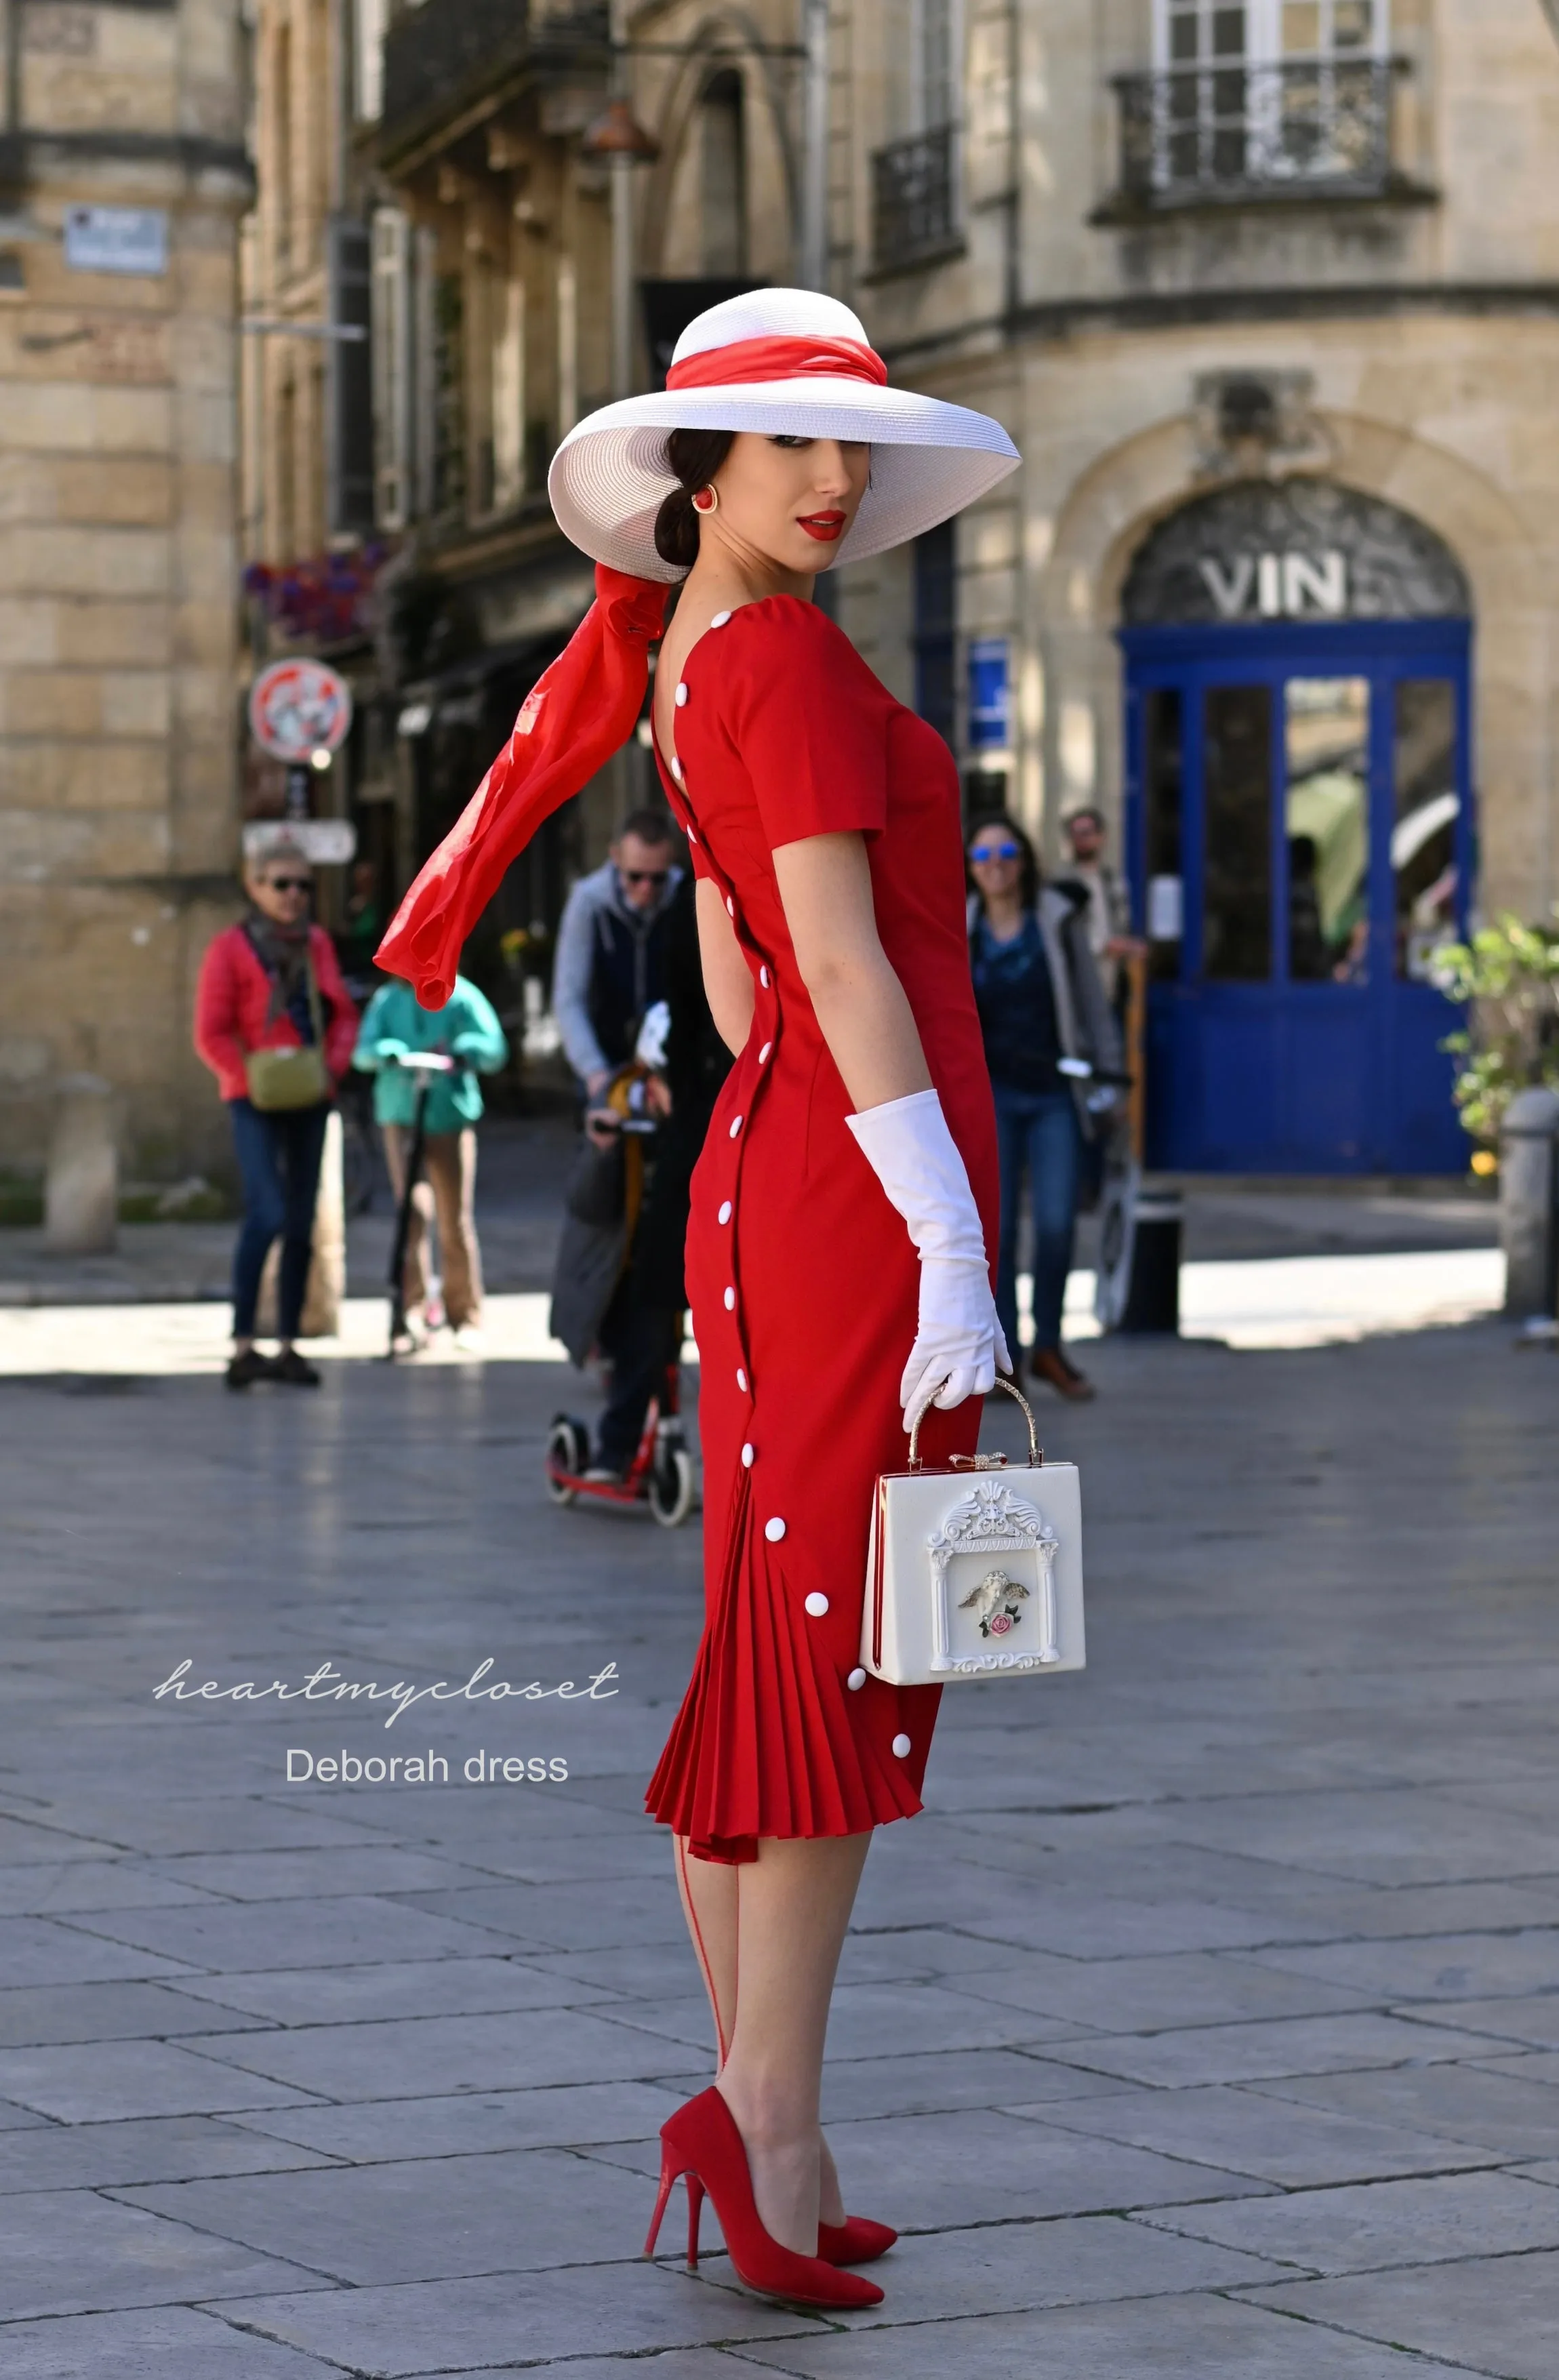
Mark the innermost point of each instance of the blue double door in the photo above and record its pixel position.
(1299, 836)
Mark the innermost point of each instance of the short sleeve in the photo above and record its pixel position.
(809, 722)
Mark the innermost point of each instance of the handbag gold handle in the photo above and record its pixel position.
(1036, 1453)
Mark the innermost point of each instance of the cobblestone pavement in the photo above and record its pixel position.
(1206, 2028)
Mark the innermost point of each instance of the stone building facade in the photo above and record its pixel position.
(122, 175)
(1300, 263)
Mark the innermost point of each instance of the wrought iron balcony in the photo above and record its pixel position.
(1230, 132)
(914, 199)
(444, 53)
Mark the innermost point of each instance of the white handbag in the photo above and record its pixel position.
(975, 1570)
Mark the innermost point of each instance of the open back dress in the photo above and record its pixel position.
(802, 1279)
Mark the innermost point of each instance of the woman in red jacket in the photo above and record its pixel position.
(272, 982)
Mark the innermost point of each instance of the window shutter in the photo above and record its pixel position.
(349, 373)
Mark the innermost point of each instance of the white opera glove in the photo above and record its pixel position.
(958, 1344)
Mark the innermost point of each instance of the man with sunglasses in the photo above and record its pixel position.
(610, 950)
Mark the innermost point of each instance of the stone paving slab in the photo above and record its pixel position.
(150, 2148)
(1533, 2021)
(1199, 1988)
(1488, 2314)
(36, 1951)
(1201, 2338)
(1245, 2053)
(1457, 1967)
(392, 2334)
(1372, 2226)
(563, 2116)
(169, 2343)
(993, 2168)
(1242, 2131)
(1499, 2108)
(75, 2252)
(419, 2219)
(98, 2081)
(1014, 2268)
(105, 2012)
(412, 2055)
(348, 1931)
(50, 1889)
(369, 1995)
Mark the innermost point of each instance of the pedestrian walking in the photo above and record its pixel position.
(1110, 936)
(276, 1025)
(1043, 1014)
(823, 819)
(467, 1030)
(610, 968)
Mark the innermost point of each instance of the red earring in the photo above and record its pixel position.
(707, 501)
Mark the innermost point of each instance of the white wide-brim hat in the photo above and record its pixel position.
(814, 376)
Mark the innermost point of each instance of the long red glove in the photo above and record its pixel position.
(579, 712)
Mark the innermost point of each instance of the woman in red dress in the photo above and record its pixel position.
(823, 819)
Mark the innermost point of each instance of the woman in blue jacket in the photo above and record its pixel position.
(467, 1030)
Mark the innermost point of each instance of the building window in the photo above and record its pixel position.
(722, 177)
(1260, 96)
(915, 181)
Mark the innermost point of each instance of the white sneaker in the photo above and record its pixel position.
(470, 1339)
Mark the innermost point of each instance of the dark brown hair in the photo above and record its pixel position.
(997, 822)
(695, 455)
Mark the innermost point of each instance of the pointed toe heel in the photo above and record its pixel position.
(702, 2142)
(857, 2241)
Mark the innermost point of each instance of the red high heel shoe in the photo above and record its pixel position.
(857, 2241)
(701, 2141)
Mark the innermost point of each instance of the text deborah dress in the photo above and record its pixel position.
(802, 1279)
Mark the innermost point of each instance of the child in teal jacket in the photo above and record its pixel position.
(467, 1030)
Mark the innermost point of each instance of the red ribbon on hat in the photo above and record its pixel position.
(779, 358)
(580, 711)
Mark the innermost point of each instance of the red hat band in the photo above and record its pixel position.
(747, 360)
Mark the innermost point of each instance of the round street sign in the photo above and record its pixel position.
(299, 707)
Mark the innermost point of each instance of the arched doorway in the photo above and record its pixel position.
(1300, 829)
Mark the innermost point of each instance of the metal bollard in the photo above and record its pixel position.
(81, 1189)
(1529, 1204)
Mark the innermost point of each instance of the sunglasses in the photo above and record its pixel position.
(645, 875)
(981, 852)
(292, 883)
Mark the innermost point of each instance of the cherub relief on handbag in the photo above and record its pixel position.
(975, 1569)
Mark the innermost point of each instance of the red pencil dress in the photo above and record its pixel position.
(802, 1279)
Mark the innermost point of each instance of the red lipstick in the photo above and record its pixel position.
(824, 527)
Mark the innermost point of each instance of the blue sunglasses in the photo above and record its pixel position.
(981, 852)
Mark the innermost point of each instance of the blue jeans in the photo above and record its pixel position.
(279, 1152)
(1037, 1132)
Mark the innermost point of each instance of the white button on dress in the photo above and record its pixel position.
(724, 1210)
(764, 976)
(741, 1380)
(720, 619)
(748, 1454)
(730, 907)
(773, 1530)
(817, 1605)
(856, 1680)
(730, 1301)
(680, 698)
(736, 1123)
(763, 1053)
(677, 770)
(901, 1747)
(691, 836)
